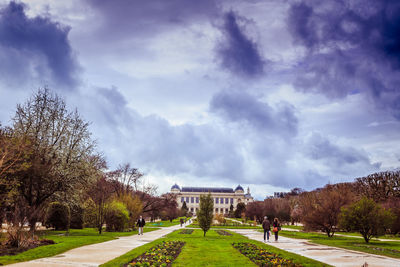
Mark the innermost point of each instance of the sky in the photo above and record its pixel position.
(271, 94)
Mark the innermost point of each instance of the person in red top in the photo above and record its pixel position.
(276, 228)
(267, 227)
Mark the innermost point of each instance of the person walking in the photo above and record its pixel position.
(276, 228)
(267, 227)
(141, 223)
(181, 221)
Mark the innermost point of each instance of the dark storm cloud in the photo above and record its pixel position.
(243, 107)
(121, 17)
(353, 47)
(36, 45)
(237, 52)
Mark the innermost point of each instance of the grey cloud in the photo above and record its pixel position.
(242, 107)
(237, 52)
(122, 18)
(352, 47)
(38, 47)
(340, 158)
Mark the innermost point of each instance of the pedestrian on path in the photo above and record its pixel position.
(181, 221)
(276, 228)
(267, 227)
(141, 223)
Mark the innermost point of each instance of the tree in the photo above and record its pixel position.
(240, 208)
(126, 179)
(320, 209)
(133, 204)
(58, 216)
(256, 209)
(184, 209)
(379, 186)
(170, 209)
(100, 193)
(205, 214)
(366, 217)
(62, 153)
(231, 211)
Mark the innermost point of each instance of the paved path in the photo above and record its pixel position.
(96, 254)
(330, 255)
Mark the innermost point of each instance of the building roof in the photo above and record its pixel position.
(207, 189)
(247, 195)
(239, 188)
(175, 186)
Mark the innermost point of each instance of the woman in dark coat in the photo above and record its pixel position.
(276, 228)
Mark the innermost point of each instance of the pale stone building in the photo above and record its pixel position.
(223, 197)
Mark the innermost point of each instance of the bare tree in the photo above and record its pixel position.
(126, 179)
(379, 186)
(62, 155)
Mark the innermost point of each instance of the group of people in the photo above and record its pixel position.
(276, 227)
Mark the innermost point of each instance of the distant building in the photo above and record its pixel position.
(223, 197)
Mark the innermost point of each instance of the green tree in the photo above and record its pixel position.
(240, 208)
(184, 209)
(205, 214)
(366, 217)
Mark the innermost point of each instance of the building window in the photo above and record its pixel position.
(216, 200)
(192, 200)
(216, 210)
(191, 209)
(226, 201)
(222, 200)
(231, 200)
(187, 199)
(197, 199)
(197, 209)
(182, 199)
(226, 210)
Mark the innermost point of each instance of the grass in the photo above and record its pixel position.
(227, 227)
(294, 227)
(76, 238)
(165, 223)
(385, 248)
(212, 250)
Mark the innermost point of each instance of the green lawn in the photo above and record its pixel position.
(75, 239)
(212, 250)
(294, 227)
(165, 223)
(227, 227)
(386, 248)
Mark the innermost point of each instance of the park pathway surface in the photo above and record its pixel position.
(326, 254)
(96, 254)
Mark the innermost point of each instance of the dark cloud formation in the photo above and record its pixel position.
(237, 52)
(122, 18)
(352, 47)
(37, 47)
(244, 108)
(337, 157)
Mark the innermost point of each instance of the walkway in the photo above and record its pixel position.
(326, 254)
(96, 254)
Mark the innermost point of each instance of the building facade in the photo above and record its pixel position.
(223, 197)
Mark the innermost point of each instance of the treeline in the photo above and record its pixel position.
(51, 172)
(369, 205)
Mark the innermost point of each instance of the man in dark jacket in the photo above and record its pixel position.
(140, 223)
(267, 227)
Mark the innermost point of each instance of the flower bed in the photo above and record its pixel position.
(222, 232)
(161, 255)
(186, 231)
(262, 257)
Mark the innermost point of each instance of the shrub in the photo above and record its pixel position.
(116, 216)
(366, 217)
(220, 218)
(89, 213)
(58, 216)
(76, 217)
